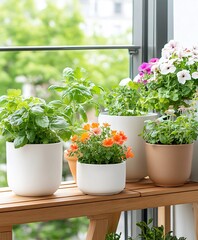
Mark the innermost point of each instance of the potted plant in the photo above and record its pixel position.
(171, 80)
(169, 147)
(33, 130)
(77, 95)
(101, 157)
(125, 110)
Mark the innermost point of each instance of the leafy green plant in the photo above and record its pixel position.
(127, 99)
(100, 145)
(31, 121)
(113, 236)
(152, 232)
(170, 129)
(77, 93)
(148, 232)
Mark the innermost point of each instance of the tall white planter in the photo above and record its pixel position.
(101, 179)
(136, 168)
(34, 169)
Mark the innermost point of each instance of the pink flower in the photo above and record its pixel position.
(145, 67)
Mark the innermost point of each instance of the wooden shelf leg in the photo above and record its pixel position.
(6, 233)
(164, 218)
(195, 210)
(113, 221)
(100, 225)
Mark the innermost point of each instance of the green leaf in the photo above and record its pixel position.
(56, 103)
(57, 88)
(31, 136)
(42, 121)
(83, 113)
(20, 141)
(58, 123)
(65, 134)
(68, 73)
(37, 110)
(14, 92)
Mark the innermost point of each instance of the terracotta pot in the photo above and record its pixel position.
(169, 165)
(72, 164)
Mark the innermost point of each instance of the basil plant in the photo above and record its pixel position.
(31, 120)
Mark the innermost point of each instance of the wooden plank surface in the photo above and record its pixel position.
(69, 201)
(64, 196)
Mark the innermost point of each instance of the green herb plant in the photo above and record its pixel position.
(113, 236)
(31, 120)
(172, 129)
(148, 232)
(77, 95)
(152, 232)
(126, 100)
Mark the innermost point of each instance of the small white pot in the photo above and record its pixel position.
(136, 167)
(34, 169)
(101, 179)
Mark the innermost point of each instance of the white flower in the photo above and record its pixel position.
(137, 78)
(165, 54)
(190, 61)
(167, 68)
(170, 47)
(195, 75)
(124, 82)
(155, 67)
(183, 75)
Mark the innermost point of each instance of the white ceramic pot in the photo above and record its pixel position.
(132, 126)
(101, 179)
(34, 169)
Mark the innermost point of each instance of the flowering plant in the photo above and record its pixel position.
(126, 99)
(100, 145)
(172, 79)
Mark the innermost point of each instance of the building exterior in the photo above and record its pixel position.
(107, 17)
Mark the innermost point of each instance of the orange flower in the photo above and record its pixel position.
(113, 132)
(95, 125)
(74, 138)
(85, 136)
(108, 142)
(86, 127)
(96, 131)
(118, 139)
(106, 125)
(124, 137)
(129, 153)
(74, 147)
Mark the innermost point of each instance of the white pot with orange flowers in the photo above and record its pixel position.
(101, 165)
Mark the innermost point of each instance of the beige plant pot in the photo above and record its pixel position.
(169, 165)
(72, 162)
